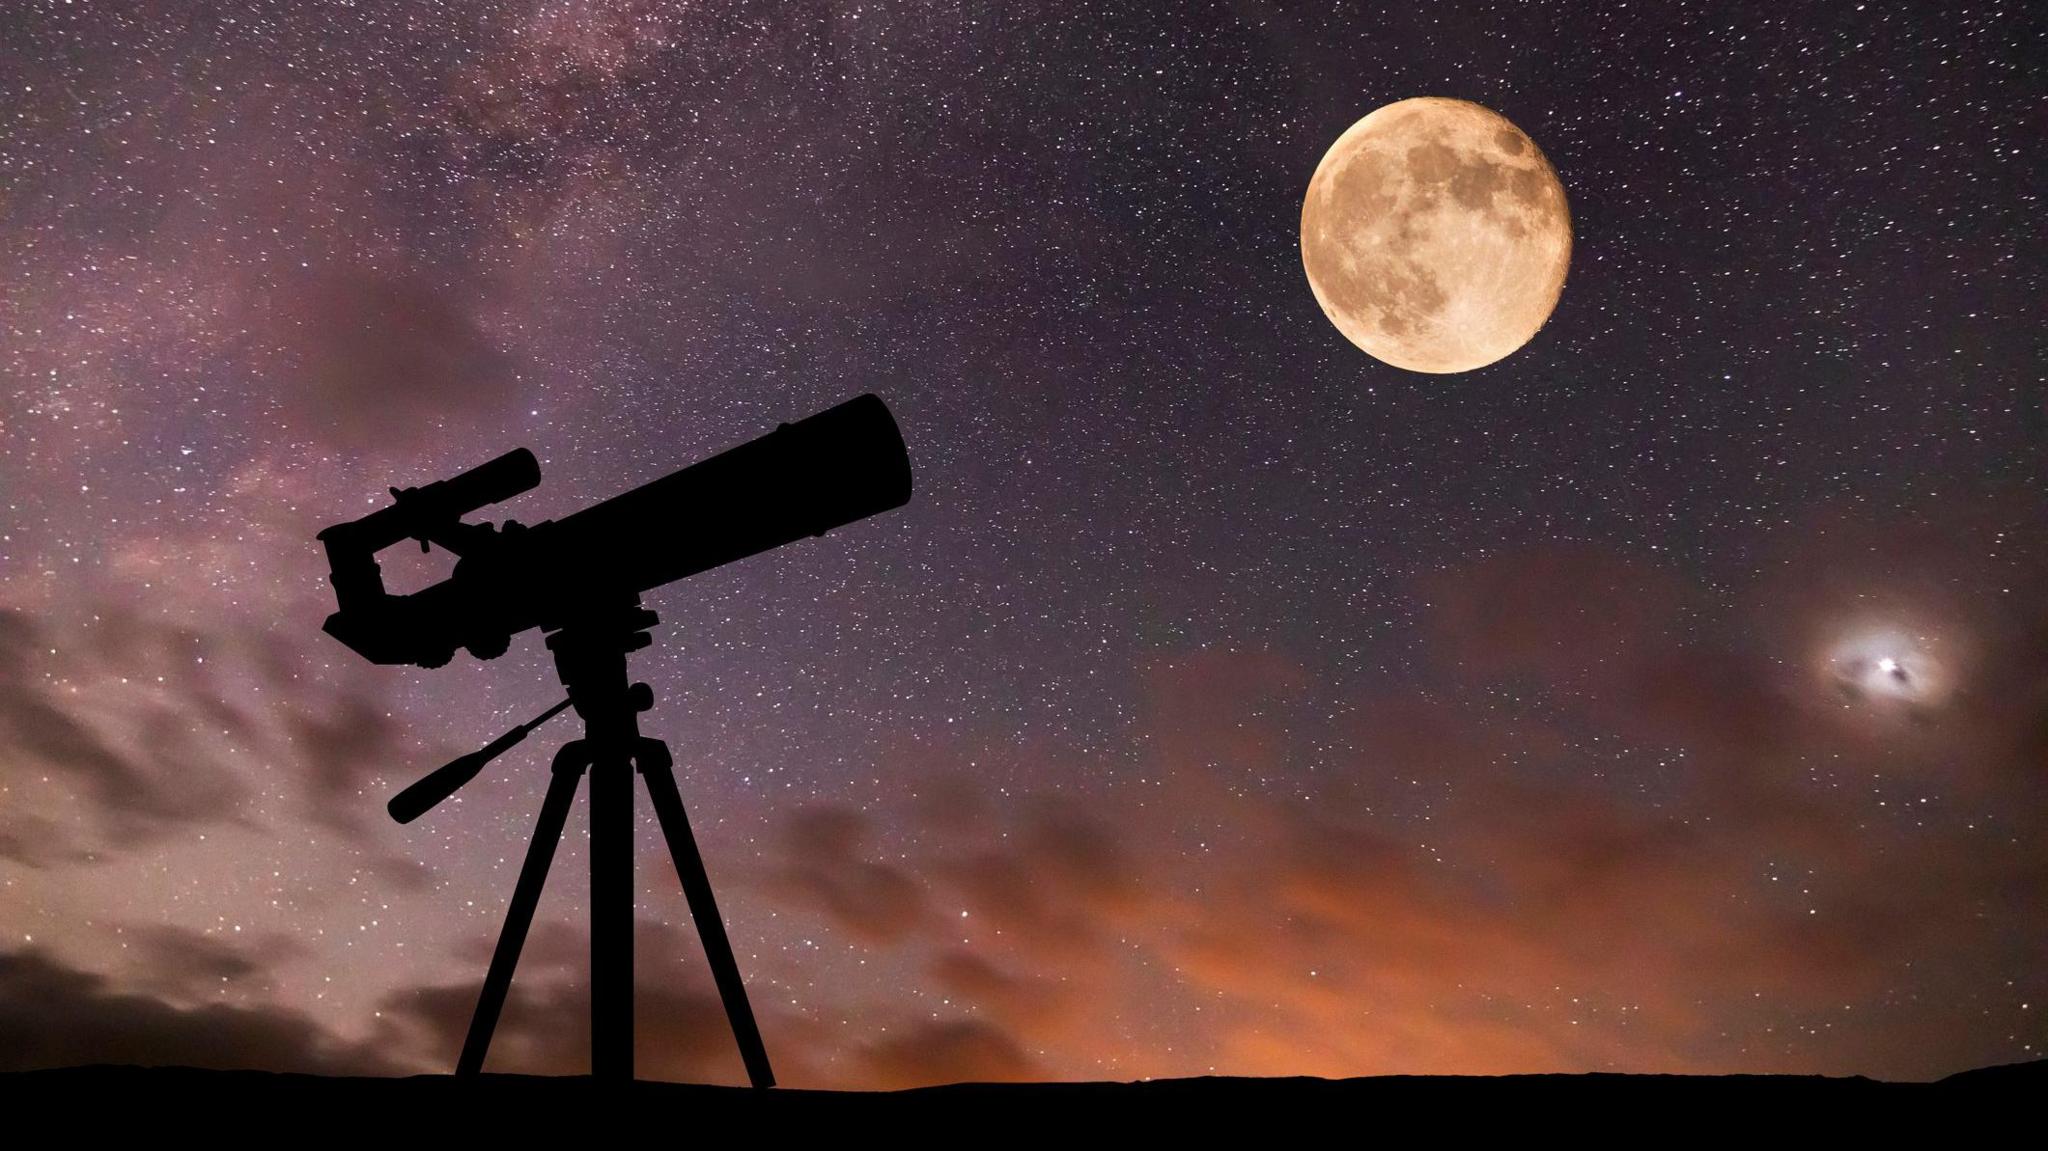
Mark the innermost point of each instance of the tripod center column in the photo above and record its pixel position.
(590, 655)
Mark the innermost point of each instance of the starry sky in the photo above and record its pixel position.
(1671, 695)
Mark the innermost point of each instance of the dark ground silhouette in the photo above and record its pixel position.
(1638, 1109)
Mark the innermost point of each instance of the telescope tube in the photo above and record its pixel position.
(803, 479)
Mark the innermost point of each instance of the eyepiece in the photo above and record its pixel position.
(415, 510)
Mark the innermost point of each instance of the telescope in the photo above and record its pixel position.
(803, 479)
(579, 580)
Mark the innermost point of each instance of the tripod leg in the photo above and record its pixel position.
(656, 766)
(540, 852)
(611, 917)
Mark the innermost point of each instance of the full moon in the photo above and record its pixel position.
(1435, 235)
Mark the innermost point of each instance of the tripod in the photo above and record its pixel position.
(590, 657)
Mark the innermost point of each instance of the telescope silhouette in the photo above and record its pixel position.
(579, 579)
(803, 479)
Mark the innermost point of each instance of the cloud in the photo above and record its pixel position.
(680, 1032)
(678, 1035)
(1036, 1002)
(342, 747)
(1559, 615)
(825, 871)
(180, 965)
(399, 873)
(134, 754)
(372, 360)
(949, 1051)
(52, 1015)
(1052, 884)
(33, 841)
(149, 727)
(551, 945)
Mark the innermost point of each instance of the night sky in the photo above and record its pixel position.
(1671, 695)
